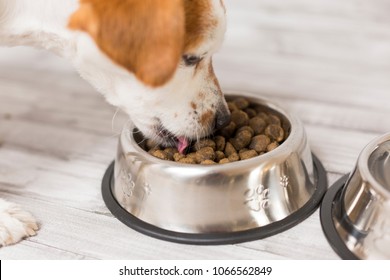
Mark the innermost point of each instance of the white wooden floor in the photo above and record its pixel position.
(326, 61)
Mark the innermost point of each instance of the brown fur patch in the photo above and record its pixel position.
(207, 118)
(199, 22)
(193, 105)
(146, 37)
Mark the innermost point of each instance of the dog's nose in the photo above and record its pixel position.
(222, 118)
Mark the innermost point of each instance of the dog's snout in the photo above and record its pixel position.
(222, 118)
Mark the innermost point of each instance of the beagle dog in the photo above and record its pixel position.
(150, 58)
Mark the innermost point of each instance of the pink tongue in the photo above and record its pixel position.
(182, 144)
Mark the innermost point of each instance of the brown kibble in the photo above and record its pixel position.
(208, 162)
(275, 132)
(224, 160)
(248, 128)
(240, 118)
(272, 146)
(178, 156)
(229, 149)
(220, 143)
(191, 155)
(264, 116)
(251, 112)
(187, 160)
(219, 155)
(232, 106)
(170, 152)
(247, 154)
(241, 103)
(241, 140)
(234, 157)
(160, 154)
(258, 125)
(228, 130)
(259, 143)
(205, 154)
(273, 119)
(204, 143)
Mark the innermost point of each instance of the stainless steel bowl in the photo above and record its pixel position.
(355, 213)
(216, 204)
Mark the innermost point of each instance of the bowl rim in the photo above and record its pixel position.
(362, 165)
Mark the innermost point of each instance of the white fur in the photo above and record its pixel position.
(15, 223)
(43, 24)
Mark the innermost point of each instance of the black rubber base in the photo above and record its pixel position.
(215, 238)
(326, 217)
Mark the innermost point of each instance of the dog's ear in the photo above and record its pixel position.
(146, 37)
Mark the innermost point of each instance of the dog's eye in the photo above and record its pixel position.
(191, 60)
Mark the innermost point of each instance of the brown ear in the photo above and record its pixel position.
(146, 37)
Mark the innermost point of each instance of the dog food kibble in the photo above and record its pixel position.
(204, 143)
(275, 132)
(206, 153)
(241, 140)
(178, 156)
(160, 154)
(228, 130)
(258, 125)
(240, 118)
(272, 119)
(272, 146)
(248, 128)
(260, 143)
(251, 112)
(170, 152)
(187, 160)
(252, 131)
(241, 103)
(229, 149)
(233, 157)
(247, 154)
(208, 162)
(224, 160)
(232, 106)
(220, 143)
(219, 155)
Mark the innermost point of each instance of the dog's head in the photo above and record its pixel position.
(153, 59)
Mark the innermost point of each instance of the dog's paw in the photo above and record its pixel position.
(15, 223)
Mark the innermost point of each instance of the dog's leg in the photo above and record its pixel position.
(15, 223)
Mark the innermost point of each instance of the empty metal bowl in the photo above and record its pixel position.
(216, 204)
(355, 213)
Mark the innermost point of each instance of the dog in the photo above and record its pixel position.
(150, 58)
